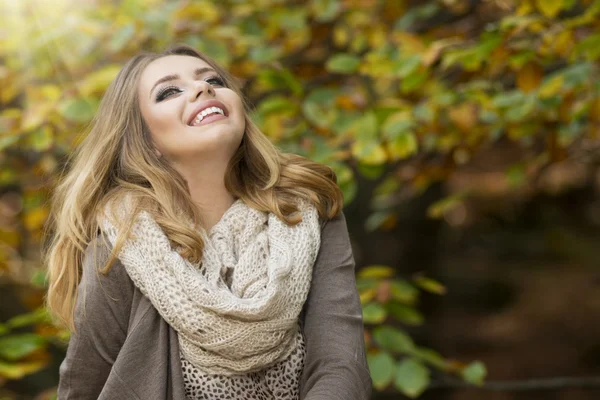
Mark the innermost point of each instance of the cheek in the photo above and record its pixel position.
(160, 121)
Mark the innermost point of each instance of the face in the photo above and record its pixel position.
(179, 98)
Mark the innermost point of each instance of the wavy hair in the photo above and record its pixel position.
(116, 161)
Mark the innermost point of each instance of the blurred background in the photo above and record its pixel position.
(465, 135)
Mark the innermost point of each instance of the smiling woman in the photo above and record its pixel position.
(226, 270)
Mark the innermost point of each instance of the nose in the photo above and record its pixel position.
(199, 88)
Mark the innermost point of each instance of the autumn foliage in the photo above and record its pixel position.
(404, 92)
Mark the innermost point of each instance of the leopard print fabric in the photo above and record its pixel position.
(278, 382)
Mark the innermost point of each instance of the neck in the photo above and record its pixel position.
(206, 184)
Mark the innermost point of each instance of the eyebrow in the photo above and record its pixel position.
(197, 72)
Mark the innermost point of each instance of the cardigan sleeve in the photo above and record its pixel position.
(101, 321)
(335, 365)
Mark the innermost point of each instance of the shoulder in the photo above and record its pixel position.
(112, 280)
(336, 223)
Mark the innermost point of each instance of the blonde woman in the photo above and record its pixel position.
(193, 260)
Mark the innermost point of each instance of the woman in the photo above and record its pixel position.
(191, 259)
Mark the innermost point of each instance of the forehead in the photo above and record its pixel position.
(169, 65)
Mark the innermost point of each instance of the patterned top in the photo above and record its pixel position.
(278, 382)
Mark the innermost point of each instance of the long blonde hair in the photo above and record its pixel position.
(116, 160)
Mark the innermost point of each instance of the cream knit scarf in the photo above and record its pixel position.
(237, 311)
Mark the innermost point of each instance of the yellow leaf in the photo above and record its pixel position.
(99, 80)
(524, 8)
(20, 369)
(378, 36)
(563, 43)
(198, 10)
(341, 35)
(551, 87)
(550, 8)
(35, 218)
(402, 146)
(410, 43)
(464, 116)
(369, 153)
(367, 295)
(376, 272)
(529, 77)
(10, 120)
(40, 139)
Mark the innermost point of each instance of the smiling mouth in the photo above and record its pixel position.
(207, 115)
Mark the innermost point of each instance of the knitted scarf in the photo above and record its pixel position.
(237, 310)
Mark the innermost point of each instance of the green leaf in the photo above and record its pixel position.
(431, 357)
(343, 63)
(404, 292)
(405, 67)
(508, 99)
(376, 272)
(406, 314)
(578, 75)
(442, 206)
(414, 81)
(366, 284)
(474, 373)
(39, 279)
(79, 110)
(371, 171)
(15, 347)
(403, 145)
(276, 104)
(279, 79)
(374, 313)
(21, 369)
(325, 10)
(319, 107)
(430, 285)
(393, 339)
(369, 152)
(8, 140)
(516, 175)
(550, 8)
(265, 54)
(365, 127)
(398, 124)
(377, 219)
(522, 110)
(291, 19)
(415, 14)
(34, 317)
(412, 377)
(40, 139)
(121, 37)
(382, 368)
(346, 181)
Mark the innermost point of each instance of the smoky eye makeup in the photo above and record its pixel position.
(168, 91)
(216, 79)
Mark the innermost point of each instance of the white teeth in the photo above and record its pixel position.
(205, 112)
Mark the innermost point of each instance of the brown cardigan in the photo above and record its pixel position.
(123, 349)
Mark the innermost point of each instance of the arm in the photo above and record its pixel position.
(335, 366)
(101, 320)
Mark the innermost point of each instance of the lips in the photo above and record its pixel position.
(204, 105)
